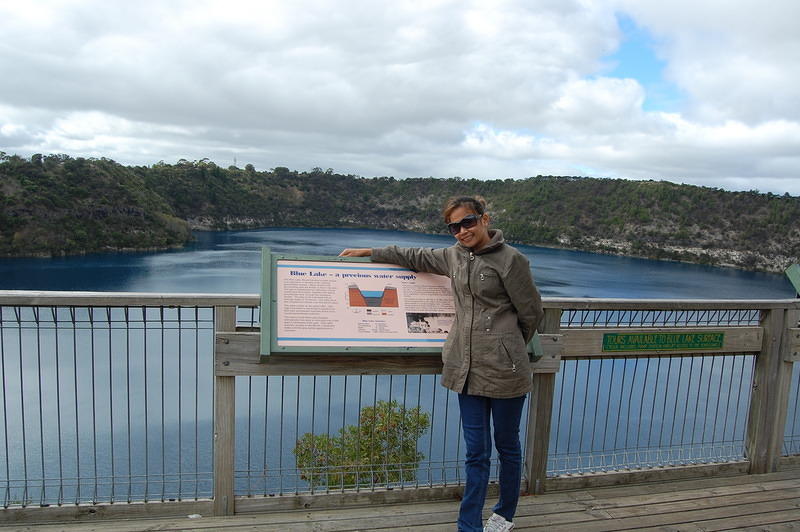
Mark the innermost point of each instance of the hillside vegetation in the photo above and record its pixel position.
(51, 205)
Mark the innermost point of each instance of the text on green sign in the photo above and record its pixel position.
(662, 341)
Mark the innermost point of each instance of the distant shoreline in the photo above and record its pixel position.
(151, 249)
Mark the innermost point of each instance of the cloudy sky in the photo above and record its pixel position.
(704, 92)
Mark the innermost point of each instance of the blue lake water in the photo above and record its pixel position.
(126, 411)
(229, 262)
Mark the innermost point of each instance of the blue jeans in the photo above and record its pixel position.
(505, 414)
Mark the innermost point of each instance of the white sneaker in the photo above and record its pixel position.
(498, 523)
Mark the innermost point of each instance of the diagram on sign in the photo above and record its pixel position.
(386, 298)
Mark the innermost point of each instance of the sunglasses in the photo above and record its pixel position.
(466, 222)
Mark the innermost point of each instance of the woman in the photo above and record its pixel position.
(485, 358)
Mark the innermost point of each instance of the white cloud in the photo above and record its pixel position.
(470, 88)
(602, 105)
(736, 60)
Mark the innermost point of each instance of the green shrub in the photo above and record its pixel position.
(381, 449)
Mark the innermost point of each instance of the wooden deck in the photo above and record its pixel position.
(754, 502)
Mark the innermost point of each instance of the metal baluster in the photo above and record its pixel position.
(732, 439)
(447, 395)
(111, 404)
(572, 408)
(266, 429)
(637, 445)
(697, 399)
(296, 428)
(664, 409)
(327, 466)
(619, 408)
(653, 406)
(77, 411)
(37, 323)
(630, 402)
(196, 402)
(386, 459)
(570, 317)
(585, 401)
(686, 403)
(562, 384)
(708, 398)
(17, 312)
(249, 433)
(403, 432)
(180, 405)
(604, 445)
(146, 409)
(344, 422)
(126, 313)
(716, 409)
(596, 404)
(280, 440)
(739, 396)
(7, 496)
(419, 406)
(163, 426)
(313, 432)
(677, 401)
(358, 431)
(372, 457)
(94, 405)
(433, 423)
(54, 314)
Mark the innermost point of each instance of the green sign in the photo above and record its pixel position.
(662, 341)
(793, 273)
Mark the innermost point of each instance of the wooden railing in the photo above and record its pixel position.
(766, 331)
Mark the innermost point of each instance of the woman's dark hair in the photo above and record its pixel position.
(476, 203)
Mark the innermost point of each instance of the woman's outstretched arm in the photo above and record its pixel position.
(417, 259)
(356, 252)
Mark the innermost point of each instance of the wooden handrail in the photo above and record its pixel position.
(55, 298)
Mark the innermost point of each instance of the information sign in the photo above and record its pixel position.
(353, 305)
(376, 305)
(333, 304)
(662, 341)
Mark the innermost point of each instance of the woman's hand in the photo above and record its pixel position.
(356, 252)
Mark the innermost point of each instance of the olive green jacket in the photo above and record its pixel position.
(497, 311)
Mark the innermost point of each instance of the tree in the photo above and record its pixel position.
(381, 449)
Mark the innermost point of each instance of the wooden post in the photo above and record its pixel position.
(224, 423)
(770, 397)
(539, 415)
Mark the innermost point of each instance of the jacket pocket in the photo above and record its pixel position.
(515, 350)
(491, 356)
(488, 283)
(508, 356)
